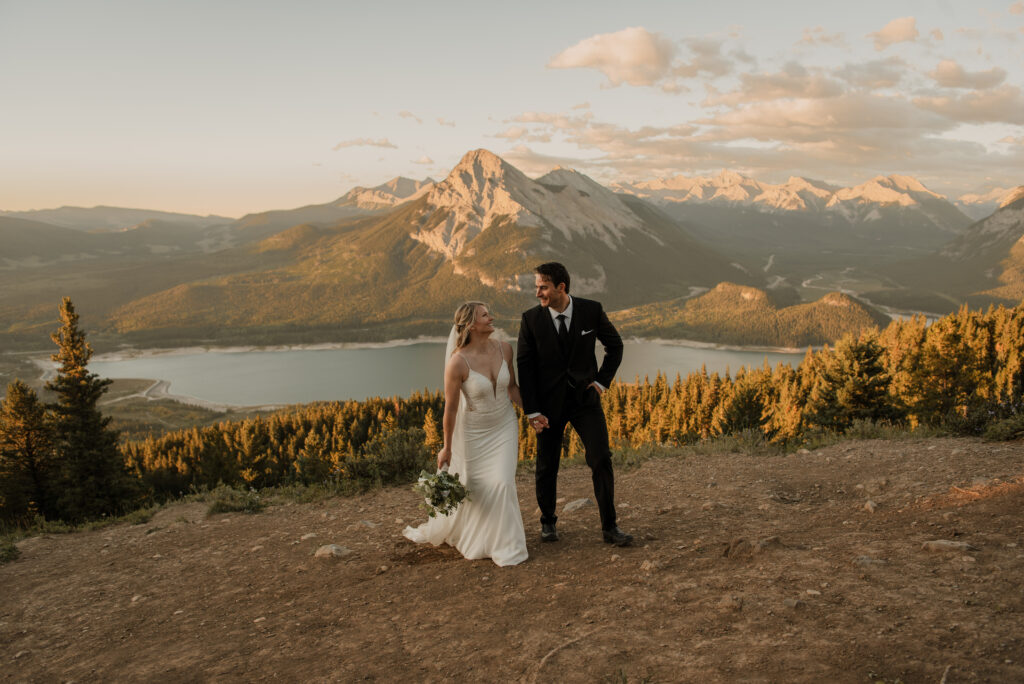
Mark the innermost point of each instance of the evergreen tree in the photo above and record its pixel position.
(93, 480)
(26, 457)
(853, 384)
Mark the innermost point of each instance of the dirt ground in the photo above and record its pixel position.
(747, 568)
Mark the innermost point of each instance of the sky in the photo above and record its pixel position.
(228, 108)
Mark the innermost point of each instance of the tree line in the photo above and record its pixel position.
(963, 372)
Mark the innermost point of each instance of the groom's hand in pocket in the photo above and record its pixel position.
(597, 388)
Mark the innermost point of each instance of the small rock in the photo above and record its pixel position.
(865, 561)
(649, 566)
(381, 570)
(332, 551)
(738, 547)
(793, 603)
(20, 654)
(802, 451)
(968, 559)
(614, 557)
(259, 619)
(399, 521)
(178, 612)
(947, 515)
(764, 507)
(576, 505)
(731, 603)
(370, 523)
(157, 555)
(813, 592)
(940, 545)
(308, 535)
(255, 549)
(560, 500)
(870, 506)
(137, 597)
(708, 506)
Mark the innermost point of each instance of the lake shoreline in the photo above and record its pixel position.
(162, 388)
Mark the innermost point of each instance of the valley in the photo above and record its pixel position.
(390, 261)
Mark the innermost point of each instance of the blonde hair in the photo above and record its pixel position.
(465, 316)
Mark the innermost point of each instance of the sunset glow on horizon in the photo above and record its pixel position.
(223, 108)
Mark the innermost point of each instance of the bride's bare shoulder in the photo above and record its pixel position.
(457, 366)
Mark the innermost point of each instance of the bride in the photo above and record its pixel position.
(481, 436)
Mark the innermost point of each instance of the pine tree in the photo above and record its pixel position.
(26, 456)
(853, 384)
(93, 479)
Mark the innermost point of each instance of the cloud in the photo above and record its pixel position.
(405, 114)
(535, 163)
(633, 55)
(581, 105)
(793, 81)
(937, 34)
(1004, 104)
(520, 133)
(364, 142)
(896, 31)
(873, 75)
(423, 160)
(817, 36)
(949, 74)
(1017, 7)
(1010, 140)
(445, 122)
(707, 59)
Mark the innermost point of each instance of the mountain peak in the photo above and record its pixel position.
(1014, 195)
(484, 188)
(481, 160)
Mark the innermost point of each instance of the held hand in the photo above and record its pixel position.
(597, 388)
(444, 457)
(538, 423)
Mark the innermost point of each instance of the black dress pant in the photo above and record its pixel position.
(583, 411)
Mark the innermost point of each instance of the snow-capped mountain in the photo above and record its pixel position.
(390, 194)
(994, 236)
(879, 200)
(483, 189)
(980, 205)
(494, 224)
(731, 188)
(359, 201)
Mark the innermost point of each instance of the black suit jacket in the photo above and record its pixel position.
(546, 373)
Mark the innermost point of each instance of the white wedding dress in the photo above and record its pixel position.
(484, 454)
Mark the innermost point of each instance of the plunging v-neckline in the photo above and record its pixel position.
(494, 382)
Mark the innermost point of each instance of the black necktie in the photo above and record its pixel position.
(563, 332)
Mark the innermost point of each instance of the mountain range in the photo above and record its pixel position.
(391, 260)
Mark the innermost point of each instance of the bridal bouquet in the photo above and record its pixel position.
(442, 492)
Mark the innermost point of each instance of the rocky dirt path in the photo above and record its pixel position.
(748, 568)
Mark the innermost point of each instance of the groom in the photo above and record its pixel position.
(561, 383)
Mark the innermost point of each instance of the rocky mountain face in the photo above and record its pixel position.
(879, 205)
(983, 265)
(359, 201)
(792, 232)
(981, 205)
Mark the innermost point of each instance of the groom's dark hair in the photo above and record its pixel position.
(555, 272)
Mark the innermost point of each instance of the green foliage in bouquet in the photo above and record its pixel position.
(442, 492)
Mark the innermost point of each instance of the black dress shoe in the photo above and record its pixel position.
(548, 533)
(617, 537)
